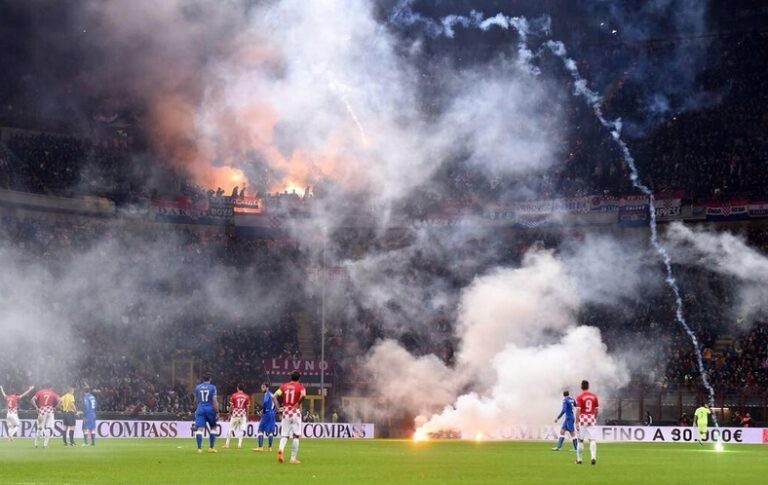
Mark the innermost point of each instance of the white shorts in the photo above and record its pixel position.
(290, 426)
(587, 433)
(45, 421)
(237, 423)
(13, 420)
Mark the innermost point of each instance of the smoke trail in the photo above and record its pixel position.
(341, 90)
(614, 127)
(404, 16)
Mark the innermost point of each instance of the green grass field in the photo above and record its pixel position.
(170, 461)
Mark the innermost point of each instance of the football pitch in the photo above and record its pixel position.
(172, 461)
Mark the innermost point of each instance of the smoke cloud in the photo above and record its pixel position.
(129, 281)
(520, 347)
(326, 92)
(729, 255)
(236, 89)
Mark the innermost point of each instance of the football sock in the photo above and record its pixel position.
(12, 431)
(560, 442)
(240, 439)
(294, 448)
(72, 437)
(85, 437)
(261, 440)
(93, 438)
(575, 443)
(64, 436)
(579, 449)
(593, 449)
(283, 441)
(269, 440)
(199, 439)
(212, 439)
(47, 436)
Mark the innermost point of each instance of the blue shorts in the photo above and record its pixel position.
(267, 424)
(568, 425)
(205, 416)
(89, 421)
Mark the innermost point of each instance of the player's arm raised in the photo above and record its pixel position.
(2, 391)
(29, 389)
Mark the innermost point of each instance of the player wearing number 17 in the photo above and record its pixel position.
(238, 415)
(291, 394)
(206, 412)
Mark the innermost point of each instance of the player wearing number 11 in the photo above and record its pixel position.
(290, 394)
(206, 412)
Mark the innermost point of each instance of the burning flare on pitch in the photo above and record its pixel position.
(420, 435)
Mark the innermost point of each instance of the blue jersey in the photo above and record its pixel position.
(89, 403)
(568, 405)
(205, 395)
(268, 405)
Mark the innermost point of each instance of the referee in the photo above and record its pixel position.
(67, 406)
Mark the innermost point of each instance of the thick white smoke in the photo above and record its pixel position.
(520, 347)
(321, 90)
(727, 254)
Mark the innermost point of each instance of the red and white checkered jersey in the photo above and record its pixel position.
(238, 404)
(12, 401)
(587, 420)
(292, 393)
(46, 400)
(587, 403)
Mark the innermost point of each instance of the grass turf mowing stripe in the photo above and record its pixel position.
(174, 461)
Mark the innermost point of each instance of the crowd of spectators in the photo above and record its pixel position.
(66, 165)
(142, 361)
(714, 147)
(718, 150)
(137, 364)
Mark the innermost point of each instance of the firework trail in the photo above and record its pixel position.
(403, 15)
(614, 127)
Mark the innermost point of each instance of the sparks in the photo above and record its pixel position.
(420, 435)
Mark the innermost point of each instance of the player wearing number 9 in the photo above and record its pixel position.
(206, 412)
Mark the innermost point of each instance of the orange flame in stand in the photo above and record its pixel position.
(210, 145)
(224, 177)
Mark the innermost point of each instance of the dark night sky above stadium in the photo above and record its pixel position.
(55, 62)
